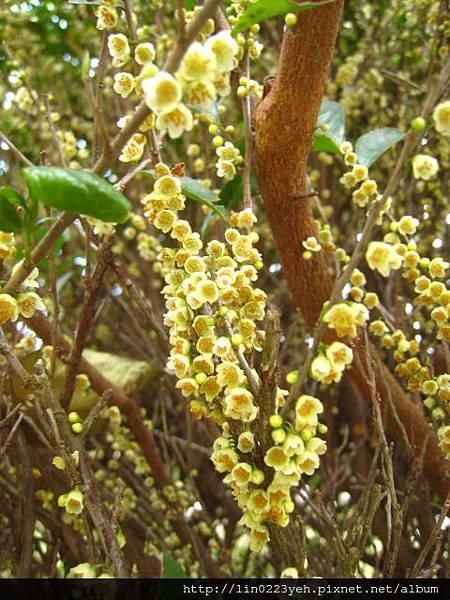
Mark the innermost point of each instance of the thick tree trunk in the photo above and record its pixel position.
(284, 123)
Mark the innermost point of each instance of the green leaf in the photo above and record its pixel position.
(267, 9)
(210, 112)
(77, 191)
(331, 114)
(10, 221)
(232, 192)
(372, 145)
(195, 190)
(171, 569)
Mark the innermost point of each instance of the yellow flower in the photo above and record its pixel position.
(238, 404)
(179, 364)
(408, 225)
(210, 388)
(339, 354)
(203, 325)
(224, 459)
(133, 150)
(259, 536)
(245, 218)
(308, 462)
(30, 280)
(316, 445)
(207, 291)
(29, 302)
(9, 308)
(144, 53)
(181, 230)
(225, 48)
(165, 220)
(241, 474)
(199, 63)
(222, 84)
(195, 264)
(188, 386)
(162, 92)
(7, 246)
(258, 501)
(306, 410)
(225, 169)
(345, 317)
(74, 502)
(176, 121)
(229, 375)
(222, 346)
(438, 267)
(229, 152)
(118, 45)
(276, 458)
(382, 257)
(312, 244)
(424, 166)
(246, 441)
(320, 367)
(293, 444)
(200, 93)
(203, 364)
(254, 311)
(278, 515)
(123, 84)
(167, 186)
(441, 116)
(106, 17)
(205, 344)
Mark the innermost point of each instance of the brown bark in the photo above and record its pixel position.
(284, 124)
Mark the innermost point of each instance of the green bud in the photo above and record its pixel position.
(306, 435)
(237, 339)
(257, 476)
(418, 124)
(292, 377)
(74, 417)
(77, 427)
(201, 378)
(276, 421)
(290, 19)
(278, 436)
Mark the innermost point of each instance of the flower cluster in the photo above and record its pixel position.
(331, 362)
(203, 74)
(213, 308)
(345, 317)
(296, 451)
(25, 303)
